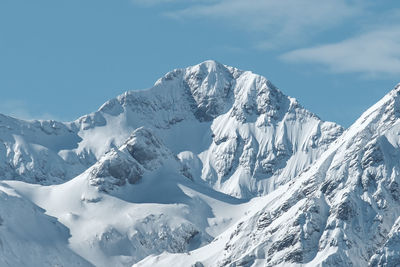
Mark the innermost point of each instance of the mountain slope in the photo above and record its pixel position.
(28, 237)
(154, 207)
(343, 211)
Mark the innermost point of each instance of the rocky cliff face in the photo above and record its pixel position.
(140, 153)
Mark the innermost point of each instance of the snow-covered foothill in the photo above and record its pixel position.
(29, 237)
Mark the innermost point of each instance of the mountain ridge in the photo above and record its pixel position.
(342, 211)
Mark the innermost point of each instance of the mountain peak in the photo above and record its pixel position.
(383, 113)
(210, 64)
(146, 148)
(395, 92)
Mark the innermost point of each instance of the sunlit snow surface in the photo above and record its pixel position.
(213, 166)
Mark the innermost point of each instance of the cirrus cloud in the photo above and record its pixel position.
(277, 22)
(374, 53)
(279, 26)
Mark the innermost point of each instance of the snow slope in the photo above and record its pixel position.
(28, 237)
(134, 202)
(343, 211)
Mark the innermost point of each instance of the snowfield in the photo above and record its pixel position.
(213, 166)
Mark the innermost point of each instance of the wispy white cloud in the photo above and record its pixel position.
(374, 53)
(374, 49)
(277, 22)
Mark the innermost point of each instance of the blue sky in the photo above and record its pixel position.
(62, 59)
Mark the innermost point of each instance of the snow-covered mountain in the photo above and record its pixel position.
(231, 129)
(343, 211)
(213, 166)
